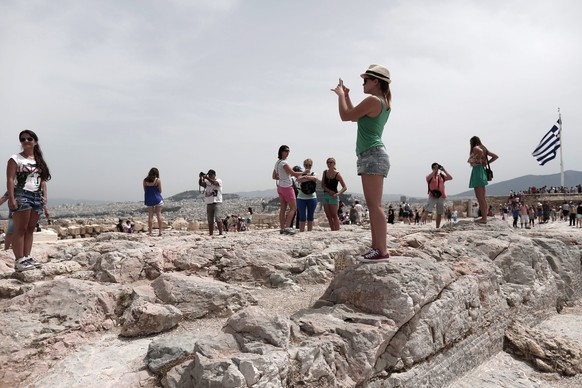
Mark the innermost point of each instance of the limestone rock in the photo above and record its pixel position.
(254, 324)
(167, 352)
(547, 352)
(438, 309)
(145, 318)
(199, 297)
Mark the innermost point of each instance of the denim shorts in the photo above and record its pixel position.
(28, 200)
(374, 161)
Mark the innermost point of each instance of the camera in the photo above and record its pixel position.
(201, 178)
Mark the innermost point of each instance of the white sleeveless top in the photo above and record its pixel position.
(27, 174)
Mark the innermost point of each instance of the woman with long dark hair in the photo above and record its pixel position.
(373, 163)
(282, 173)
(152, 186)
(26, 177)
(479, 157)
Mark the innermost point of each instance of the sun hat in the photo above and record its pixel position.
(377, 71)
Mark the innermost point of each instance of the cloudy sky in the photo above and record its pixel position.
(115, 87)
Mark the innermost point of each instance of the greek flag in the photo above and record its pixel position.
(550, 143)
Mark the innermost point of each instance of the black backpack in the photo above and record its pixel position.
(308, 187)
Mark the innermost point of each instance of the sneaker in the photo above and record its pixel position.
(374, 256)
(367, 252)
(34, 262)
(23, 264)
(289, 231)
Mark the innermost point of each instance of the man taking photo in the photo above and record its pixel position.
(436, 192)
(213, 198)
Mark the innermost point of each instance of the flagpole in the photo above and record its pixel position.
(561, 147)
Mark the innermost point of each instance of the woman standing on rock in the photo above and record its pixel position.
(373, 163)
(283, 173)
(329, 181)
(152, 186)
(26, 177)
(479, 157)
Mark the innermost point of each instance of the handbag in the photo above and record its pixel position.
(436, 193)
(489, 171)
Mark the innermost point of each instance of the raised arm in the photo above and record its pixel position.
(370, 106)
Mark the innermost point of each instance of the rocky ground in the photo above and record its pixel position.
(262, 309)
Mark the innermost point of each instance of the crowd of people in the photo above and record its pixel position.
(526, 214)
(551, 190)
(28, 173)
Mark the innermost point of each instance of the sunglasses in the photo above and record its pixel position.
(307, 165)
(367, 79)
(23, 139)
(330, 162)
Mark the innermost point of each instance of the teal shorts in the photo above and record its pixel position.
(328, 199)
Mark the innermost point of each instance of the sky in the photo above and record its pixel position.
(115, 87)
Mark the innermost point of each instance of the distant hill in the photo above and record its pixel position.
(194, 194)
(72, 201)
(571, 178)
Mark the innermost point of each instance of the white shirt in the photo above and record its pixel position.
(27, 174)
(213, 193)
(284, 178)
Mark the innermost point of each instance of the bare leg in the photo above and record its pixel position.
(28, 237)
(328, 215)
(282, 211)
(373, 186)
(334, 221)
(482, 200)
(7, 241)
(150, 219)
(438, 220)
(290, 213)
(20, 220)
(160, 219)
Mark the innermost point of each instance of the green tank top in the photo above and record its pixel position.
(370, 130)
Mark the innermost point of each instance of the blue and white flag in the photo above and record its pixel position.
(550, 143)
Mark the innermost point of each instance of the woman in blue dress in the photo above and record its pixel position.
(152, 186)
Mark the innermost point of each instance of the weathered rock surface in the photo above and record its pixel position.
(145, 318)
(437, 310)
(547, 352)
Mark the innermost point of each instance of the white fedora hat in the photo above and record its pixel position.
(377, 71)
